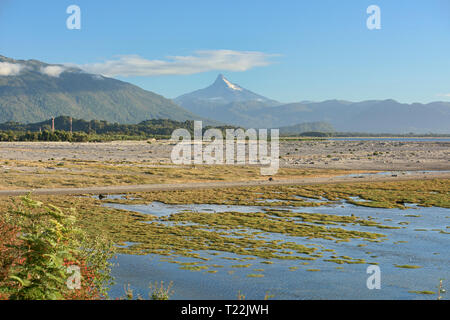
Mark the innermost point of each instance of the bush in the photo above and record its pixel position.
(42, 242)
(9, 257)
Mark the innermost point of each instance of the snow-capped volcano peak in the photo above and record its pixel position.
(220, 93)
(224, 81)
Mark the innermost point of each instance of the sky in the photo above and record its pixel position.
(287, 50)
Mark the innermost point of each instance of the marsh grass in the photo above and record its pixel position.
(423, 292)
(83, 173)
(389, 195)
(406, 266)
(159, 292)
(193, 234)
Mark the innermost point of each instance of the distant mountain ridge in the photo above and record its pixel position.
(32, 91)
(373, 116)
(322, 127)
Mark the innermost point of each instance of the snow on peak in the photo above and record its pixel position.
(231, 85)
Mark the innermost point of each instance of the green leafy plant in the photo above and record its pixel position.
(48, 242)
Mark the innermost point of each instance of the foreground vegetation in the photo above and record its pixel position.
(40, 249)
(250, 239)
(190, 233)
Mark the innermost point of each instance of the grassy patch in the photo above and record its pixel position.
(422, 292)
(378, 195)
(406, 266)
(83, 173)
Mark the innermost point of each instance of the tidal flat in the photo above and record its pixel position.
(293, 242)
(213, 243)
(317, 250)
(28, 165)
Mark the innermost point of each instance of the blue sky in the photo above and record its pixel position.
(286, 50)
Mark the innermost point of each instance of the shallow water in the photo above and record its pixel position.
(424, 245)
(393, 139)
(160, 209)
(392, 173)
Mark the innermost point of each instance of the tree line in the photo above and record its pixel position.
(78, 130)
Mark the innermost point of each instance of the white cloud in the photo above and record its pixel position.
(201, 61)
(10, 69)
(97, 77)
(52, 71)
(447, 95)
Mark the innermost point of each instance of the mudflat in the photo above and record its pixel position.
(126, 166)
(378, 155)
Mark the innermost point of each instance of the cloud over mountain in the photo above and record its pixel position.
(14, 69)
(10, 69)
(33, 91)
(201, 61)
(52, 71)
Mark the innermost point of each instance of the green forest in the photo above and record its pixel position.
(93, 131)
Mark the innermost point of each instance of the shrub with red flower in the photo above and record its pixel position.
(9, 257)
(37, 245)
(88, 288)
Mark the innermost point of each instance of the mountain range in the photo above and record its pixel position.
(33, 91)
(230, 103)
